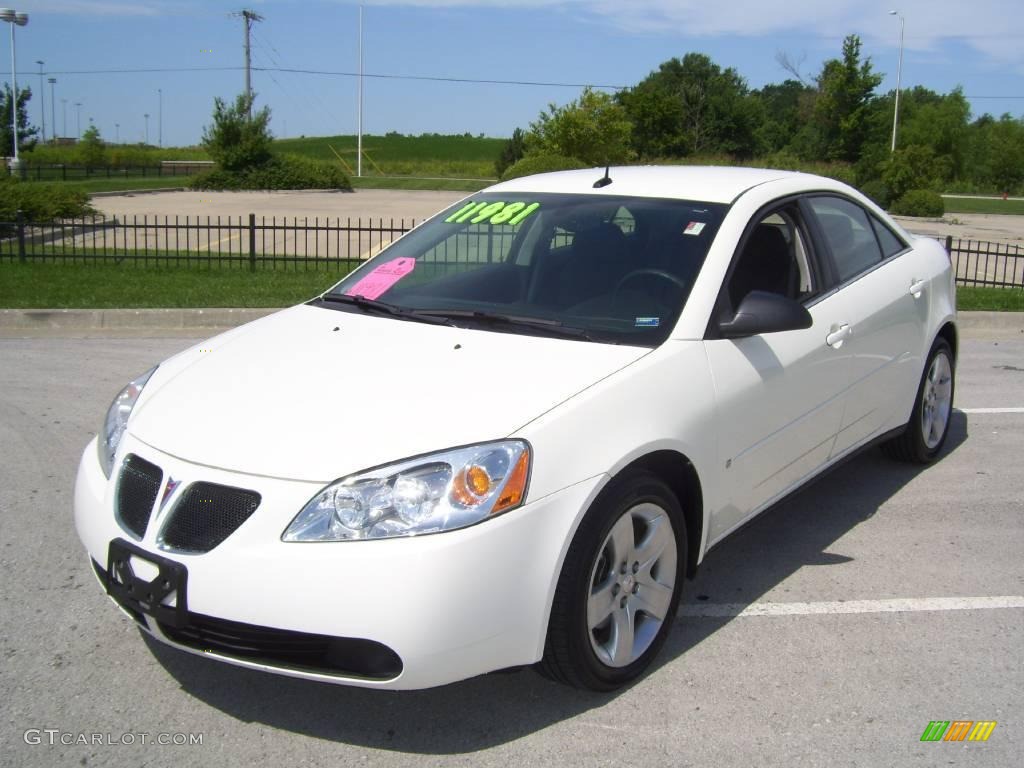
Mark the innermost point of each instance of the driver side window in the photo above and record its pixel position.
(773, 258)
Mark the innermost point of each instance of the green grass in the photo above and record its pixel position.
(427, 155)
(77, 286)
(975, 205)
(106, 285)
(991, 299)
(399, 182)
(131, 184)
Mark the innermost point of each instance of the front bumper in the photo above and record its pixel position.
(450, 605)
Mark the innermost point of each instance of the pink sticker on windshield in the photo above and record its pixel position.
(382, 278)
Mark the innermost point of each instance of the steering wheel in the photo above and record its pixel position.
(663, 274)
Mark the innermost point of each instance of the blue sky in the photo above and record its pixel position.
(976, 45)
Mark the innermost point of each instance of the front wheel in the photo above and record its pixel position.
(929, 422)
(619, 588)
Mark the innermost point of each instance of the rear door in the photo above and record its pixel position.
(779, 395)
(884, 304)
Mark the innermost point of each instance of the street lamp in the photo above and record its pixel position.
(160, 117)
(117, 133)
(78, 118)
(64, 117)
(899, 77)
(53, 108)
(147, 128)
(20, 19)
(42, 98)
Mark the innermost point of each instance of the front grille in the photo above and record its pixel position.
(205, 515)
(348, 656)
(137, 487)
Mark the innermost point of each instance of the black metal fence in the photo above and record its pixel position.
(293, 243)
(211, 241)
(70, 172)
(979, 263)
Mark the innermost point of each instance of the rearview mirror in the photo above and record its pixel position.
(764, 312)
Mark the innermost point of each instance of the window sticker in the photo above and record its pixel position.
(382, 278)
(497, 212)
(694, 228)
(647, 322)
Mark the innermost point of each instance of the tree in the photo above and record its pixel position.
(512, 151)
(91, 149)
(845, 90)
(26, 132)
(594, 129)
(692, 106)
(787, 107)
(236, 140)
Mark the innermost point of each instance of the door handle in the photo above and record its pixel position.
(836, 338)
(916, 286)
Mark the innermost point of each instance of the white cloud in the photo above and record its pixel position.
(993, 27)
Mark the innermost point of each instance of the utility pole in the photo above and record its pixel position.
(359, 141)
(42, 98)
(78, 118)
(248, 17)
(53, 108)
(147, 127)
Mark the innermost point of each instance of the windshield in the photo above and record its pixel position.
(593, 267)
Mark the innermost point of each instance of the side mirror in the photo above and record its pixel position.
(763, 312)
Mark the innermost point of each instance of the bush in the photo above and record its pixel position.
(541, 163)
(279, 172)
(920, 202)
(238, 139)
(41, 201)
(877, 191)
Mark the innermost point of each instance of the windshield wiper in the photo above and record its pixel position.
(539, 324)
(382, 307)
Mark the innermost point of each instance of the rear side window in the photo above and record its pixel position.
(849, 235)
(891, 245)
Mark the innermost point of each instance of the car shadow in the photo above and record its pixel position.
(498, 708)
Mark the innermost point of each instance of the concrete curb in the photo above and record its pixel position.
(123, 192)
(58, 321)
(77, 320)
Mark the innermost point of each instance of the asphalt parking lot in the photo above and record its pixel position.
(829, 631)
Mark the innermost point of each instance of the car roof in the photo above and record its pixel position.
(712, 184)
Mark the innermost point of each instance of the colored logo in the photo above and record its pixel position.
(958, 730)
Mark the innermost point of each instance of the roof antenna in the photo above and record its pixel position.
(605, 180)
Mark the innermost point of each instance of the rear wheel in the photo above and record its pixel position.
(619, 588)
(929, 422)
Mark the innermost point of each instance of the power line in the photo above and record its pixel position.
(380, 76)
(332, 73)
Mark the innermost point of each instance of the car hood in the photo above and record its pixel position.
(314, 394)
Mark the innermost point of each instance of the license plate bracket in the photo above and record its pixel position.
(147, 596)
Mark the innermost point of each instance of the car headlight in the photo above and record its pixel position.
(117, 421)
(439, 492)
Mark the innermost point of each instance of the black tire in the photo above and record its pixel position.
(569, 656)
(912, 445)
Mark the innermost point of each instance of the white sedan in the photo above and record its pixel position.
(511, 436)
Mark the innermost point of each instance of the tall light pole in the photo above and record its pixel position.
(64, 117)
(78, 119)
(359, 140)
(53, 107)
(160, 117)
(117, 133)
(147, 127)
(20, 19)
(899, 77)
(42, 98)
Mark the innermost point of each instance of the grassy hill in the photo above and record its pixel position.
(396, 155)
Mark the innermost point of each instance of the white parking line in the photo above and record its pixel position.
(900, 605)
(991, 410)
